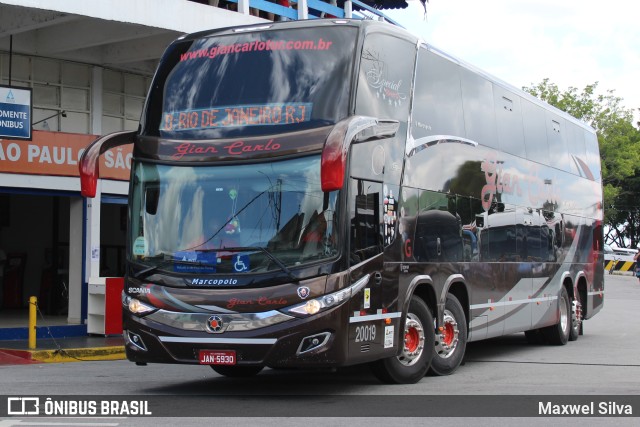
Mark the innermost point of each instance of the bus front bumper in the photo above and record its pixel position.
(315, 341)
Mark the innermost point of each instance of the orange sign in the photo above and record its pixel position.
(57, 153)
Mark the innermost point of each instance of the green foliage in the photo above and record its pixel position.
(619, 144)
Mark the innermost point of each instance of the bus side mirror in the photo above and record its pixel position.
(89, 164)
(353, 129)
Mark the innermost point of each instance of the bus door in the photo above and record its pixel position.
(366, 241)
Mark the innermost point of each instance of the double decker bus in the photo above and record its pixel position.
(335, 192)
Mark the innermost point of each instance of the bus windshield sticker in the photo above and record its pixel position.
(256, 46)
(241, 263)
(140, 247)
(235, 116)
(195, 262)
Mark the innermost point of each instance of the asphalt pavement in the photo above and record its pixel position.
(61, 350)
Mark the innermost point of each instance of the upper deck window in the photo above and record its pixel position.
(253, 83)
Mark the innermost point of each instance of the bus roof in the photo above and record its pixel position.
(395, 30)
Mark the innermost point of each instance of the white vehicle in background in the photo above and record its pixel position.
(616, 258)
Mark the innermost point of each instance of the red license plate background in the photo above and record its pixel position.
(217, 357)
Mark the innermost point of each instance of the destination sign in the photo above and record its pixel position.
(235, 116)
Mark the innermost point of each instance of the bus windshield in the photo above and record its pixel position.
(251, 83)
(241, 218)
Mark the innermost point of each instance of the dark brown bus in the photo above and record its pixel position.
(334, 192)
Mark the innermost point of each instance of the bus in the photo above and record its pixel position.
(333, 192)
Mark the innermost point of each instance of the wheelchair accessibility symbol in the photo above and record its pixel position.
(241, 263)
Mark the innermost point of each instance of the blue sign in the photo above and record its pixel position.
(15, 113)
(241, 263)
(195, 262)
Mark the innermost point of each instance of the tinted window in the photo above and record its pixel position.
(438, 237)
(593, 154)
(386, 71)
(366, 198)
(479, 117)
(186, 213)
(575, 142)
(251, 83)
(437, 108)
(509, 121)
(438, 229)
(535, 132)
(365, 223)
(497, 234)
(556, 137)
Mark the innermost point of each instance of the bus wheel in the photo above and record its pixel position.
(237, 371)
(558, 334)
(451, 343)
(576, 318)
(417, 348)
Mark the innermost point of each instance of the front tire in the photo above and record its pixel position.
(558, 334)
(417, 348)
(451, 344)
(237, 371)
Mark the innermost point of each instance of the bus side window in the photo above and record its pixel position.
(556, 137)
(437, 105)
(366, 236)
(535, 133)
(438, 229)
(593, 155)
(509, 121)
(479, 115)
(366, 197)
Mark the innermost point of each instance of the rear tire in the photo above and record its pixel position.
(417, 348)
(558, 334)
(451, 344)
(237, 371)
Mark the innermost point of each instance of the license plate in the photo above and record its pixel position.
(217, 357)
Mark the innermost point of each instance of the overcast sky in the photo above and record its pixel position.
(572, 42)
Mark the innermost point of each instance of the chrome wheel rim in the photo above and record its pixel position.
(564, 316)
(448, 338)
(413, 345)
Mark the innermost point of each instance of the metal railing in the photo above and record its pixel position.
(312, 9)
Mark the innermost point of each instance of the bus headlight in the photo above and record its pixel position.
(138, 307)
(328, 301)
(310, 307)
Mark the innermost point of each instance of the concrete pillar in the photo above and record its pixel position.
(96, 100)
(75, 260)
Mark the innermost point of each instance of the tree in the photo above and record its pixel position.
(619, 144)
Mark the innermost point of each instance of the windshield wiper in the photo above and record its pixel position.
(147, 271)
(266, 251)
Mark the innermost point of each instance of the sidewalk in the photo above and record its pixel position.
(59, 350)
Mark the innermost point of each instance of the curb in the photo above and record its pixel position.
(68, 354)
